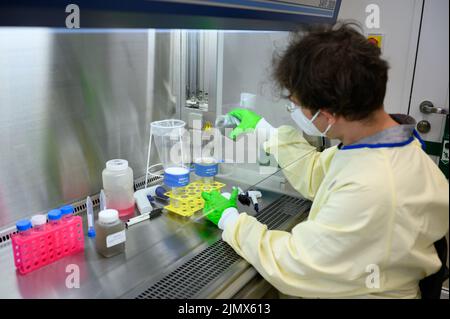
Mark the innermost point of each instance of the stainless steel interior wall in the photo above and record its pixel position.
(70, 101)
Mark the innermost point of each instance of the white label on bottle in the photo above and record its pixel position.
(115, 239)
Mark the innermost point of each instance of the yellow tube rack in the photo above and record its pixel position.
(188, 199)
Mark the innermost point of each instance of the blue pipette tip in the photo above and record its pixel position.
(91, 232)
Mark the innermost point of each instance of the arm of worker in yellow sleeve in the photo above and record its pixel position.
(326, 256)
(302, 164)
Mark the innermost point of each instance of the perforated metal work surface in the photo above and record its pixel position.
(188, 279)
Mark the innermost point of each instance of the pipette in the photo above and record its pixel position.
(90, 217)
(250, 197)
(254, 195)
(102, 200)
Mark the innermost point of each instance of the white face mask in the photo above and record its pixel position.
(305, 124)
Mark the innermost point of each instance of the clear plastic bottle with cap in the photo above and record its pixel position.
(24, 227)
(54, 217)
(110, 233)
(39, 223)
(226, 123)
(67, 213)
(118, 185)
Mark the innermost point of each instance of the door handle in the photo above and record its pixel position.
(427, 107)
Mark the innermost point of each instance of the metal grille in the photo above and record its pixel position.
(187, 280)
(281, 210)
(153, 180)
(5, 235)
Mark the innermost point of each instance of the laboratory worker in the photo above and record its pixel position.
(380, 205)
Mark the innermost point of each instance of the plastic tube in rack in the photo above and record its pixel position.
(90, 217)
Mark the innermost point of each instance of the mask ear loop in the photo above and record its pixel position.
(314, 117)
(328, 127)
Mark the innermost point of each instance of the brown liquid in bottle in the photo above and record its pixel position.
(110, 237)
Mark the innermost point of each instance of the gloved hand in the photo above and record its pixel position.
(216, 203)
(248, 119)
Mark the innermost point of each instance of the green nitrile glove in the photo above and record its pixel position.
(248, 119)
(216, 203)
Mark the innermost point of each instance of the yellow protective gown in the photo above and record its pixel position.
(375, 216)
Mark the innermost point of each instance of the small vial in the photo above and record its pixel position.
(54, 217)
(110, 233)
(67, 213)
(39, 222)
(24, 227)
(176, 192)
(208, 180)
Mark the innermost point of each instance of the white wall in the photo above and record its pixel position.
(247, 67)
(399, 22)
(248, 56)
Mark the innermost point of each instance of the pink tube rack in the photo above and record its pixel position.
(41, 248)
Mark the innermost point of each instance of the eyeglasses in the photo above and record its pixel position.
(291, 107)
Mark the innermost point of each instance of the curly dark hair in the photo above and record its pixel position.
(334, 68)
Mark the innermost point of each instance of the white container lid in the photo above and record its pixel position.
(38, 220)
(117, 164)
(167, 127)
(205, 160)
(108, 216)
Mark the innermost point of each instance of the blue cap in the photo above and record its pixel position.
(66, 210)
(54, 214)
(160, 192)
(91, 232)
(23, 225)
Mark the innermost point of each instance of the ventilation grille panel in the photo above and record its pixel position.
(188, 279)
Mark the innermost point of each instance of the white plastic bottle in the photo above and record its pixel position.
(110, 233)
(226, 123)
(118, 187)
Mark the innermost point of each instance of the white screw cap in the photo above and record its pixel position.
(117, 164)
(38, 220)
(108, 216)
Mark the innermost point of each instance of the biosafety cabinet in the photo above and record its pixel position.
(80, 85)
